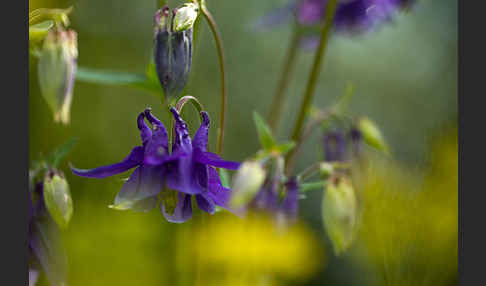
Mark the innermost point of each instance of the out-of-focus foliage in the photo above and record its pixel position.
(408, 232)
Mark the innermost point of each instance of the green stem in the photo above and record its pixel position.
(219, 47)
(312, 186)
(311, 84)
(278, 101)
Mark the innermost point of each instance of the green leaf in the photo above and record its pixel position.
(57, 155)
(283, 148)
(135, 80)
(264, 132)
(58, 199)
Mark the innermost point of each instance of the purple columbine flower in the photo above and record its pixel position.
(267, 199)
(351, 16)
(171, 177)
(335, 146)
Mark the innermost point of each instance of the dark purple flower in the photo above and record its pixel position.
(195, 174)
(171, 177)
(150, 162)
(335, 146)
(268, 199)
(351, 16)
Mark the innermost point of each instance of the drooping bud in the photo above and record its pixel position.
(173, 47)
(57, 198)
(372, 134)
(335, 146)
(56, 71)
(248, 180)
(339, 211)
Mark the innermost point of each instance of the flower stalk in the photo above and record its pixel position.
(278, 101)
(311, 84)
(219, 47)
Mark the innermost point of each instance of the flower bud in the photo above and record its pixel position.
(372, 135)
(326, 169)
(185, 17)
(339, 211)
(56, 70)
(57, 198)
(248, 180)
(173, 47)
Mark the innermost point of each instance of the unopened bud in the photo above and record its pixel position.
(248, 180)
(185, 17)
(326, 169)
(173, 47)
(57, 68)
(339, 211)
(57, 198)
(372, 135)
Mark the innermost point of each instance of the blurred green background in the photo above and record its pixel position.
(405, 77)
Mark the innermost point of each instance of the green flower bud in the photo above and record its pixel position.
(185, 17)
(248, 180)
(57, 198)
(56, 70)
(326, 169)
(372, 135)
(339, 211)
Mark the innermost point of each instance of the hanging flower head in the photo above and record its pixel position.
(169, 179)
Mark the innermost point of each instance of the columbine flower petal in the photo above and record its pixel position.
(205, 203)
(132, 160)
(219, 194)
(290, 205)
(182, 211)
(212, 159)
(145, 182)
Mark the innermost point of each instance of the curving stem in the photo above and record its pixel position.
(219, 47)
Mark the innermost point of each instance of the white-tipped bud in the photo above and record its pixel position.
(248, 180)
(185, 17)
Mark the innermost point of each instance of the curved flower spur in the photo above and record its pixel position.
(170, 178)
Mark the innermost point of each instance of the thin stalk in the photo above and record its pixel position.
(278, 101)
(219, 47)
(311, 84)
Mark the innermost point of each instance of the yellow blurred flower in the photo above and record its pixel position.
(254, 250)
